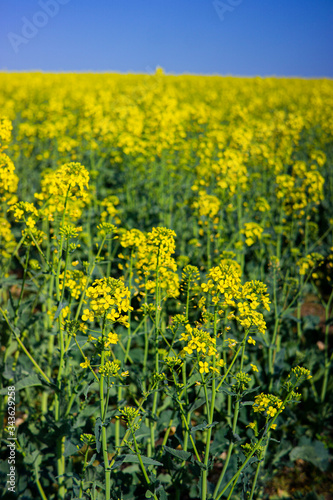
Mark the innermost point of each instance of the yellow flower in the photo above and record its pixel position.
(108, 295)
(271, 411)
(231, 343)
(112, 339)
(203, 367)
(86, 363)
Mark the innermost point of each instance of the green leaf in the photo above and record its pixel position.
(60, 307)
(202, 427)
(98, 432)
(198, 464)
(162, 494)
(197, 403)
(28, 381)
(145, 460)
(134, 459)
(315, 453)
(33, 458)
(70, 448)
(80, 339)
(92, 460)
(230, 393)
(11, 348)
(181, 454)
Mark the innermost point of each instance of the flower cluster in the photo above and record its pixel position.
(131, 416)
(231, 172)
(154, 259)
(64, 188)
(226, 290)
(301, 373)
(304, 187)
(25, 211)
(106, 228)
(309, 262)
(70, 231)
(242, 382)
(199, 341)
(8, 179)
(207, 207)
(6, 128)
(7, 240)
(252, 232)
(109, 298)
(224, 280)
(267, 404)
(131, 238)
(75, 281)
(110, 369)
(110, 212)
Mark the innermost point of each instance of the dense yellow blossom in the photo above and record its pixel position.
(7, 240)
(110, 298)
(75, 281)
(65, 187)
(253, 232)
(8, 179)
(268, 404)
(309, 262)
(198, 340)
(154, 259)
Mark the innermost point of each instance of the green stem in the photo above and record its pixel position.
(83, 471)
(140, 459)
(232, 363)
(209, 260)
(258, 444)
(210, 414)
(91, 270)
(127, 433)
(107, 469)
(117, 423)
(241, 258)
(327, 360)
(16, 317)
(157, 326)
(129, 312)
(255, 480)
(36, 365)
(57, 401)
(182, 412)
(188, 420)
(259, 464)
(234, 426)
(39, 486)
(271, 352)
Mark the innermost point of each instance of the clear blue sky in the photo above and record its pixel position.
(234, 37)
